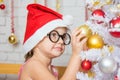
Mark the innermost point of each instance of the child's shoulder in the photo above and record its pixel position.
(29, 65)
(32, 63)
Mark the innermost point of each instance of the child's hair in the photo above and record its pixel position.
(28, 55)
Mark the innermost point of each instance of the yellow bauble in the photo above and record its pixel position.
(118, 6)
(96, 3)
(95, 41)
(111, 48)
(108, 2)
(91, 74)
(1, 1)
(86, 30)
(12, 39)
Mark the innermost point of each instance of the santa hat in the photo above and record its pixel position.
(40, 21)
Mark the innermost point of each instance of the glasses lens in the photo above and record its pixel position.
(54, 36)
(66, 38)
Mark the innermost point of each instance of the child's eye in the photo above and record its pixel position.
(54, 34)
(64, 37)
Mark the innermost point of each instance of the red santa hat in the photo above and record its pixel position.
(40, 21)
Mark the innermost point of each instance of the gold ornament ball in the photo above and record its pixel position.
(91, 74)
(108, 2)
(12, 39)
(96, 3)
(1, 1)
(86, 30)
(118, 6)
(95, 41)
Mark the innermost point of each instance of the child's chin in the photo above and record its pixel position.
(57, 54)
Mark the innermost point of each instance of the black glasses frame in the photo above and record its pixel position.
(60, 36)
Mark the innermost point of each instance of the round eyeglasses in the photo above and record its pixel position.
(54, 36)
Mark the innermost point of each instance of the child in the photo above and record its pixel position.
(45, 38)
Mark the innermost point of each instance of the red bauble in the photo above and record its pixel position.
(86, 65)
(115, 27)
(98, 12)
(98, 15)
(2, 6)
(114, 22)
(115, 34)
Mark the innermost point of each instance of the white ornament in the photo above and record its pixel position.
(107, 65)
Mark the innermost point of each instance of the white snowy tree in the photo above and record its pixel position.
(102, 63)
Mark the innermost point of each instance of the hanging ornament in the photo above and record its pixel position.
(12, 38)
(57, 5)
(86, 30)
(116, 78)
(95, 41)
(35, 1)
(1, 1)
(95, 3)
(45, 2)
(91, 74)
(115, 27)
(86, 65)
(111, 48)
(107, 65)
(98, 16)
(108, 2)
(118, 6)
(2, 6)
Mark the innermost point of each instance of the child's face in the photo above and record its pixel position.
(53, 47)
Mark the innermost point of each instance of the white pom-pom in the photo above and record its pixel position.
(68, 20)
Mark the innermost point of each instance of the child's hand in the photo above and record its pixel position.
(78, 41)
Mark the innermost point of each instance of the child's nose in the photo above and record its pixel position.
(60, 40)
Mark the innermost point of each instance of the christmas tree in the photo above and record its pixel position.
(102, 59)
